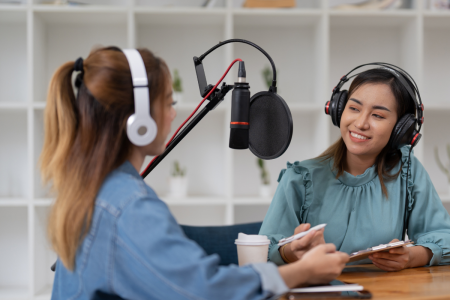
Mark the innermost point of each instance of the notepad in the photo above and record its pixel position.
(362, 254)
(329, 288)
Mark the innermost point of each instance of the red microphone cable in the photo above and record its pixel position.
(195, 110)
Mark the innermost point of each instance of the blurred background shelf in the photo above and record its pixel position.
(313, 45)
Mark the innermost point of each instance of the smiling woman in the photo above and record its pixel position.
(376, 102)
(366, 187)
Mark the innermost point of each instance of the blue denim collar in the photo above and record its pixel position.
(128, 168)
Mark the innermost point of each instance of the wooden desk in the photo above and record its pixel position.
(418, 283)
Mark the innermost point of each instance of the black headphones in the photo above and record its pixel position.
(406, 131)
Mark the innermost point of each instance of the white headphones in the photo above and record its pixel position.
(141, 128)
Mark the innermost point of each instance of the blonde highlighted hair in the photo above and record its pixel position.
(85, 137)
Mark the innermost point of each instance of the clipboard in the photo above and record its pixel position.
(362, 254)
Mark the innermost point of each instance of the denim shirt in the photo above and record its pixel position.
(135, 249)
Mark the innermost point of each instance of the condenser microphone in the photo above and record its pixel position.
(240, 104)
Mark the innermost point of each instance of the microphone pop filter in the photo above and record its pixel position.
(270, 130)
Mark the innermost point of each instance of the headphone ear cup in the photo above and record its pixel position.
(404, 132)
(141, 130)
(342, 101)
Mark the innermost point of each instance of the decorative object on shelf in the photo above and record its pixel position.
(177, 87)
(438, 4)
(269, 3)
(264, 189)
(366, 5)
(178, 181)
(444, 169)
(209, 3)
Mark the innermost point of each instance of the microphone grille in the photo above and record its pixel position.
(270, 130)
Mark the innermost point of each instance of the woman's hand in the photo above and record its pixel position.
(395, 260)
(299, 247)
(402, 257)
(320, 265)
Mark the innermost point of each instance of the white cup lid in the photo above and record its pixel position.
(251, 240)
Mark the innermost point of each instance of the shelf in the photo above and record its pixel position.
(38, 133)
(77, 9)
(256, 200)
(14, 258)
(13, 154)
(13, 7)
(44, 294)
(382, 14)
(205, 215)
(86, 29)
(295, 52)
(43, 202)
(246, 176)
(364, 39)
(433, 137)
(13, 57)
(436, 62)
(199, 152)
(14, 292)
(249, 213)
(44, 257)
(178, 4)
(13, 202)
(13, 106)
(445, 198)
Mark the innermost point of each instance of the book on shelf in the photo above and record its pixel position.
(367, 4)
(269, 3)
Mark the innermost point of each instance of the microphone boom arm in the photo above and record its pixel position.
(216, 98)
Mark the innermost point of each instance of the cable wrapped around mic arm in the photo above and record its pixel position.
(273, 87)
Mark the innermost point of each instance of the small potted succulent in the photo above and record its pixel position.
(177, 87)
(444, 168)
(177, 182)
(264, 189)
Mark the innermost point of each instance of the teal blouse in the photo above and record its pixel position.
(357, 214)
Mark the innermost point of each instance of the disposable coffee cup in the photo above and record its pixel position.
(252, 248)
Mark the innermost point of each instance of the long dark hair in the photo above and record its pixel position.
(388, 158)
(85, 137)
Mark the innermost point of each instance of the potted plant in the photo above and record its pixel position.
(444, 169)
(177, 181)
(267, 75)
(177, 87)
(264, 189)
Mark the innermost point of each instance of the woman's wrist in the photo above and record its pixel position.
(283, 254)
(419, 256)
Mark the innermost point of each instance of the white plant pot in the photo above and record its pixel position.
(264, 190)
(178, 187)
(178, 97)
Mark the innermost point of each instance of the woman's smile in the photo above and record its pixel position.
(358, 137)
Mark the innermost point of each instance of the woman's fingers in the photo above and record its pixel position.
(303, 243)
(385, 267)
(302, 227)
(386, 255)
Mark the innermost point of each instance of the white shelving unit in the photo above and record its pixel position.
(312, 46)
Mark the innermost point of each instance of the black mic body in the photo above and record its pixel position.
(240, 105)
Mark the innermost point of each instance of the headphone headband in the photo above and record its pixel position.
(401, 75)
(141, 128)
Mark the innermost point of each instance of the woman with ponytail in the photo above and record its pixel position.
(112, 233)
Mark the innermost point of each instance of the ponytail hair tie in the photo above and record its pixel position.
(78, 67)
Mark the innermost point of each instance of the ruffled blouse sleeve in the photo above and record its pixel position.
(429, 221)
(291, 199)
